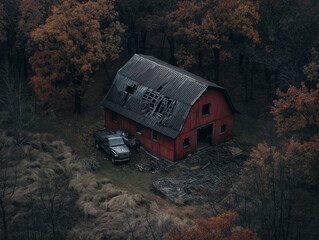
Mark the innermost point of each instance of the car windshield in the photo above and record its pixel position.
(116, 141)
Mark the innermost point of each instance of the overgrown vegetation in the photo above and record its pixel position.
(41, 180)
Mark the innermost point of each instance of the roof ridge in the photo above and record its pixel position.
(201, 81)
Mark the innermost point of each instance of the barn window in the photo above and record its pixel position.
(154, 136)
(115, 117)
(223, 128)
(138, 128)
(186, 142)
(205, 110)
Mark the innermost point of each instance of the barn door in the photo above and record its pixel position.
(205, 135)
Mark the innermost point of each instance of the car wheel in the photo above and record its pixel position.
(113, 160)
(97, 146)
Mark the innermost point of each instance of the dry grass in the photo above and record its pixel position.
(111, 213)
(40, 180)
(46, 168)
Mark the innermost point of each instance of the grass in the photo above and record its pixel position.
(121, 175)
(248, 130)
(60, 132)
(127, 178)
(252, 131)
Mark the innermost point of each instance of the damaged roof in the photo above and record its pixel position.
(156, 94)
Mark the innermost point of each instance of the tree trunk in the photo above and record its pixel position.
(240, 60)
(129, 48)
(4, 220)
(244, 72)
(77, 102)
(143, 37)
(216, 65)
(252, 74)
(276, 81)
(108, 76)
(200, 59)
(162, 45)
(246, 86)
(25, 66)
(172, 49)
(269, 88)
(135, 36)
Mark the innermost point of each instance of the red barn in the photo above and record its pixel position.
(172, 112)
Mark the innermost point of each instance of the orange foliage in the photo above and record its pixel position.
(215, 228)
(49, 80)
(33, 14)
(3, 24)
(74, 31)
(205, 25)
(296, 109)
(296, 113)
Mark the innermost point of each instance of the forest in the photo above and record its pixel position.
(58, 59)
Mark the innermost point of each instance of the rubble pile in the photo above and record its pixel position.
(206, 169)
(145, 161)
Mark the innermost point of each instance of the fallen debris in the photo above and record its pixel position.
(145, 161)
(235, 150)
(206, 170)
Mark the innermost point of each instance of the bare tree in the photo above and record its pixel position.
(8, 181)
(13, 103)
(51, 195)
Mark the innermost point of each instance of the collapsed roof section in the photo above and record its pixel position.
(156, 94)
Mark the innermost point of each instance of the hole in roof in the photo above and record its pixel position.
(130, 89)
(161, 87)
(157, 107)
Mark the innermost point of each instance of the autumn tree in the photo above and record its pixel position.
(205, 26)
(130, 11)
(267, 194)
(154, 21)
(74, 40)
(33, 13)
(142, 17)
(287, 31)
(296, 113)
(272, 195)
(222, 227)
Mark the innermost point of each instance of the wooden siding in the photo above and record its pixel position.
(164, 146)
(220, 113)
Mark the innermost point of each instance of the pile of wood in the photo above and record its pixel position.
(145, 161)
(204, 170)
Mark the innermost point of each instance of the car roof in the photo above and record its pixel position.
(113, 136)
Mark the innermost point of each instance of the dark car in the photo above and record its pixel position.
(113, 145)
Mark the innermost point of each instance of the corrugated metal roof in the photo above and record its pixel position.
(159, 88)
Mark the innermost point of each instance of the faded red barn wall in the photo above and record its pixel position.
(164, 146)
(220, 113)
